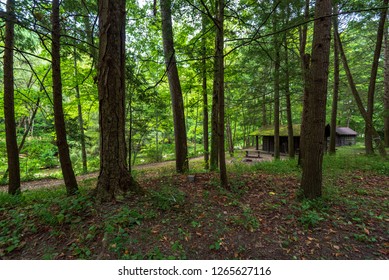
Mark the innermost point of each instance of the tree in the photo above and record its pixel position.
(114, 177)
(205, 91)
(59, 119)
(291, 150)
(277, 65)
(313, 133)
(386, 87)
(358, 100)
(373, 77)
(335, 95)
(9, 106)
(218, 89)
(181, 147)
(305, 61)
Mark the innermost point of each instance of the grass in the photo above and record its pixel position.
(260, 217)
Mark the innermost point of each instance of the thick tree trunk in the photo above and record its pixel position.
(335, 96)
(386, 88)
(218, 90)
(181, 147)
(9, 105)
(358, 100)
(373, 77)
(114, 176)
(311, 181)
(59, 119)
(205, 94)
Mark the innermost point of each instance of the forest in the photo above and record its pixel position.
(194, 129)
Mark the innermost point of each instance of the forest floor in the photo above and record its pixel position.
(260, 217)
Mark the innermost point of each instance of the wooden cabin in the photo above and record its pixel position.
(345, 136)
(267, 135)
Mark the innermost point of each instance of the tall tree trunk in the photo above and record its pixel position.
(335, 96)
(181, 147)
(205, 94)
(218, 89)
(386, 91)
(373, 77)
(59, 119)
(277, 60)
(214, 156)
(80, 118)
(9, 105)
(291, 151)
(311, 181)
(358, 100)
(305, 60)
(114, 176)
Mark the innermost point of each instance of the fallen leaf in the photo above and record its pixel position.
(366, 231)
(272, 193)
(336, 247)
(384, 251)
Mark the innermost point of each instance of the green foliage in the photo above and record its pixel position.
(312, 212)
(247, 219)
(167, 198)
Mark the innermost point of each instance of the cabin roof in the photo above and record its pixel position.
(345, 131)
(269, 130)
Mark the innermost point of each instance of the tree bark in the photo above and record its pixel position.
(9, 105)
(59, 119)
(114, 176)
(311, 181)
(305, 60)
(373, 78)
(218, 89)
(276, 46)
(181, 148)
(214, 156)
(335, 97)
(205, 94)
(291, 151)
(386, 88)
